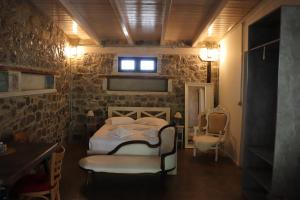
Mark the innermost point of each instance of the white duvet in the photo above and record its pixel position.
(110, 136)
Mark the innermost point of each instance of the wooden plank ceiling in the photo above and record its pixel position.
(230, 15)
(63, 19)
(146, 22)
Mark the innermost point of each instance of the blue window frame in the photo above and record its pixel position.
(137, 64)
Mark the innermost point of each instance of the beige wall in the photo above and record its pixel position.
(231, 68)
(230, 84)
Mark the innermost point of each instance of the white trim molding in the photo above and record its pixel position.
(26, 93)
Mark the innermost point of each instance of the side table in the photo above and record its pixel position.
(91, 128)
(180, 136)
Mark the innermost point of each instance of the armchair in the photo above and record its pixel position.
(215, 131)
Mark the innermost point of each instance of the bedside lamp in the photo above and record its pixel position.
(90, 124)
(177, 117)
(90, 114)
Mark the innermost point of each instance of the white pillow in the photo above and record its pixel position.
(151, 121)
(119, 120)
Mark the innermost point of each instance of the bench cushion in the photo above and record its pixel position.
(121, 164)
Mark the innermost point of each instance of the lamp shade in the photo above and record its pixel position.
(90, 113)
(178, 115)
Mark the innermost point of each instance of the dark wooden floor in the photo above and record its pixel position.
(197, 178)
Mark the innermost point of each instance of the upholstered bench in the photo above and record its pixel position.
(129, 164)
(137, 164)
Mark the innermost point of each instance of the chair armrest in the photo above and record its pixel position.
(168, 162)
(166, 156)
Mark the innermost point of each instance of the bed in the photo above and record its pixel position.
(140, 138)
(105, 142)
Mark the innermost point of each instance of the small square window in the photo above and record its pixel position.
(137, 64)
(147, 65)
(127, 65)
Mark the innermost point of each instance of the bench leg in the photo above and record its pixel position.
(163, 174)
(88, 174)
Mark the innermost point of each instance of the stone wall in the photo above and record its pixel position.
(31, 40)
(88, 94)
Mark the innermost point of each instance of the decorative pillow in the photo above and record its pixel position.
(151, 121)
(119, 120)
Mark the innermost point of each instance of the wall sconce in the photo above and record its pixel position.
(209, 55)
(73, 51)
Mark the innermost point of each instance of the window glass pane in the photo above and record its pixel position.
(3, 81)
(49, 82)
(127, 65)
(32, 82)
(147, 65)
(137, 84)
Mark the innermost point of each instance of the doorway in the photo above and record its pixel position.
(199, 98)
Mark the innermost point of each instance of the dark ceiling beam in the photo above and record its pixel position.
(80, 20)
(165, 18)
(210, 19)
(115, 4)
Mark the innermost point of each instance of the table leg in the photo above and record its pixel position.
(46, 166)
(3, 193)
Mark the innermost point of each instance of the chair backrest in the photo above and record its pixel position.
(55, 165)
(202, 121)
(217, 121)
(21, 137)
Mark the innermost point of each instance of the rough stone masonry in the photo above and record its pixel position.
(31, 40)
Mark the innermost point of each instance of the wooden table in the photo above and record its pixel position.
(15, 165)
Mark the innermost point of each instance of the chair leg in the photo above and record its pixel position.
(194, 152)
(58, 195)
(23, 197)
(53, 193)
(216, 154)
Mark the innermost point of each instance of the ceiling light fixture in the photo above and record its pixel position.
(210, 30)
(125, 31)
(74, 27)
